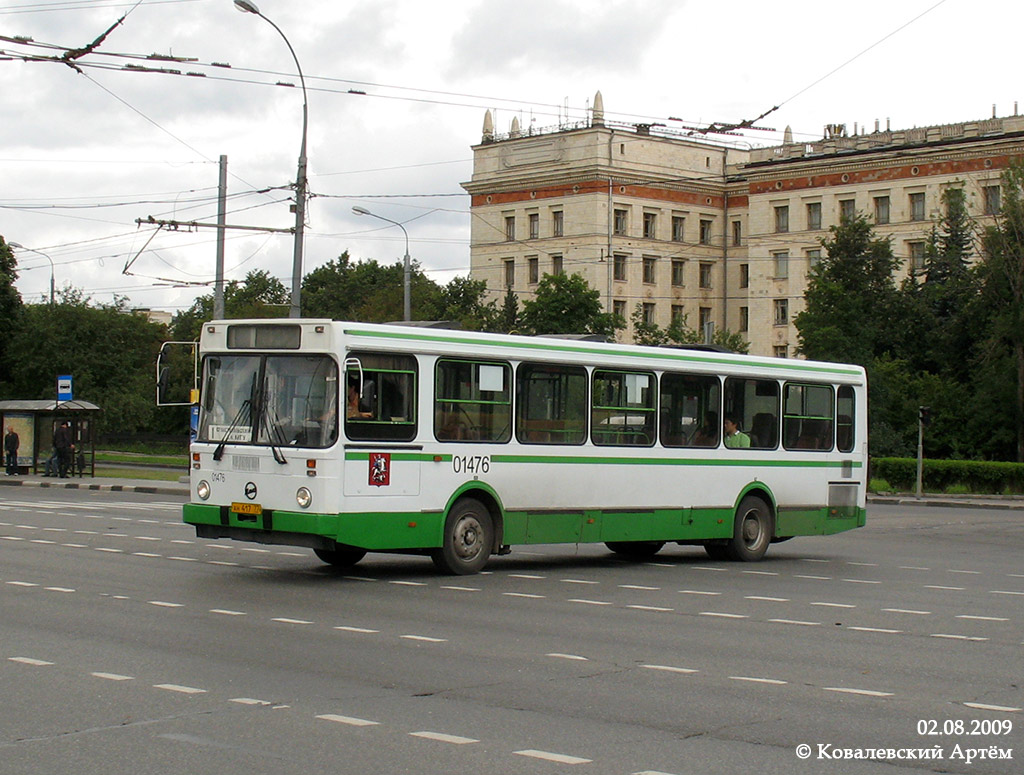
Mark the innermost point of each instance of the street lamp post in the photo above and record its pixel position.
(247, 6)
(406, 270)
(31, 250)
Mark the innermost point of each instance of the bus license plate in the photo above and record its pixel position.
(252, 509)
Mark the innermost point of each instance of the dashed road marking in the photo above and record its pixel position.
(639, 587)
(113, 676)
(575, 657)
(771, 681)
(441, 737)
(349, 720)
(658, 608)
(164, 604)
(557, 758)
(671, 669)
(957, 637)
(179, 688)
(983, 618)
(907, 611)
(226, 612)
(286, 620)
(862, 692)
(998, 708)
(523, 594)
(249, 701)
(588, 602)
(698, 592)
(875, 629)
(796, 621)
(361, 630)
(768, 599)
(424, 638)
(723, 615)
(834, 605)
(940, 586)
(30, 661)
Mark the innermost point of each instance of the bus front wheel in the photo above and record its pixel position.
(341, 558)
(752, 531)
(468, 539)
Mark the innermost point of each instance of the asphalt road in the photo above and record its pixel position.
(129, 646)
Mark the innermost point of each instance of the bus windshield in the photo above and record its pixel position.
(272, 400)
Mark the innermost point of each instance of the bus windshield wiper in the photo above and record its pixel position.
(219, 452)
(271, 427)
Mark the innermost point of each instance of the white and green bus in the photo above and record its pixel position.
(350, 438)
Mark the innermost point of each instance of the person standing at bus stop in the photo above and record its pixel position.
(11, 444)
(734, 437)
(62, 441)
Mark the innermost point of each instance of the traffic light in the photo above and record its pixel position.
(924, 414)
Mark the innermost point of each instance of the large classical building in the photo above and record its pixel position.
(684, 225)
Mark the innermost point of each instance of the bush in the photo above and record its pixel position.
(962, 475)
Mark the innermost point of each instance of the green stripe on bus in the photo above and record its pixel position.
(774, 363)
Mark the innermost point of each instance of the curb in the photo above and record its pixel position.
(978, 502)
(167, 489)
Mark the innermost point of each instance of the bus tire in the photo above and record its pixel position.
(635, 550)
(717, 551)
(752, 530)
(340, 558)
(468, 539)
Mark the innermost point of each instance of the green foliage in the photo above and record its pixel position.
(258, 296)
(678, 332)
(10, 302)
(941, 475)
(566, 304)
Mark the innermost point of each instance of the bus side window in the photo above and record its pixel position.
(844, 421)
(754, 406)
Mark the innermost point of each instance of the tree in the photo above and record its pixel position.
(678, 332)
(260, 295)
(851, 297)
(508, 316)
(1001, 300)
(565, 304)
(10, 304)
(462, 301)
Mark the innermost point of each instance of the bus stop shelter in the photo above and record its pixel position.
(36, 420)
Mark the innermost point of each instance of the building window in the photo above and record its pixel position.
(744, 275)
(813, 216)
(916, 256)
(650, 262)
(510, 228)
(532, 269)
(847, 209)
(781, 262)
(781, 312)
(881, 209)
(679, 271)
(705, 232)
(744, 319)
(737, 233)
(557, 223)
(648, 313)
(534, 221)
(705, 275)
(556, 263)
(781, 219)
(621, 218)
(780, 351)
(993, 201)
(917, 206)
(704, 318)
(678, 313)
(619, 267)
(813, 257)
(510, 272)
(678, 228)
(619, 308)
(650, 225)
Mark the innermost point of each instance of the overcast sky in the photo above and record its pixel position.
(84, 154)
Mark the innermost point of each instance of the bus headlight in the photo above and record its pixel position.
(303, 497)
(203, 490)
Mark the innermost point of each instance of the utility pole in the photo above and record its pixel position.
(923, 418)
(222, 201)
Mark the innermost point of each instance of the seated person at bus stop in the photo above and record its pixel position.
(734, 437)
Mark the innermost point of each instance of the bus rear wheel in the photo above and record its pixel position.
(635, 550)
(341, 558)
(752, 531)
(468, 539)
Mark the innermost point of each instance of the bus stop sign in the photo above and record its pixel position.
(64, 392)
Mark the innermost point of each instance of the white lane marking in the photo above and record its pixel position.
(164, 604)
(58, 589)
(181, 541)
(971, 572)
(813, 578)
(862, 692)
(248, 701)
(441, 737)
(179, 688)
(75, 546)
(358, 578)
(523, 594)
(940, 586)
(575, 657)
(12, 538)
(710, 568)
(875, 629)
(983, 618)
(291, 554)
(557, 758)
(59, 530)
(41, 541)
(768, 599)
(183, 559)
(658, 608)
(350, 720)
(30, 661)
(796, 621)
(861, 581)
(864, 564)
(408, 583)
(111, 551)
(227, 612)
(578, 581)
(254, 550)
(525, 576)
(286, 620)
(22, 584)
(998, 708)
(811, 559)
(362, 630)
(113, 676)
(424, 638)
(835, 605)
(588, 602)
(760, 572)
(639, 586)
(670, 669)
(146, 554)
(460, 589)
(907, 611)
(957, 637)
(912, 567)
(698, 592)
(222, 562)
(723, 615)
(1003, 592)
(772, 681)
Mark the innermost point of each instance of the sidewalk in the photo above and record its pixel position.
(149, 486)
(957, 501)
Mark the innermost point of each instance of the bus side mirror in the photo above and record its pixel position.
(161, 385)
